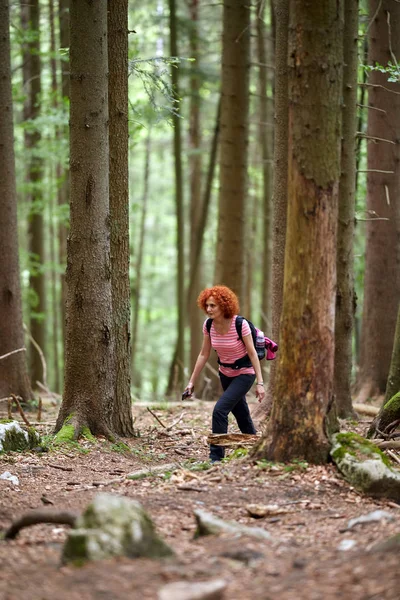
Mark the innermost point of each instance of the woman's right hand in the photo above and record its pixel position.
(189, 389)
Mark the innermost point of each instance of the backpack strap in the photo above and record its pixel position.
(208, 325)
(238, 325)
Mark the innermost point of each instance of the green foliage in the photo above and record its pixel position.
(391, 70)
(236, 454)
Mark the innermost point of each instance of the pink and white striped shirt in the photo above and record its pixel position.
(229, 348)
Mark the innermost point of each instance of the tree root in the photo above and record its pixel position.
(34, 517)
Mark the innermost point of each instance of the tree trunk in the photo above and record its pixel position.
(265, 145)
(139, 263)
(345, 297)
(122, 422)
(179, 362)
(304, 378)
(63, 193)
(89, 353)
(230, 263)
(13, 372)
(280, 178)
(36, 223)
(382, 256)
(195, 166)
(393, 382)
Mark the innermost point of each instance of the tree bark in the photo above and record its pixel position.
(179, 362)
(36, 222)
(13, 371)
(122, 422)
(393, 382)
(345, 296)
(382, 256)
(89, 353)
(230, 262)
(304, 379)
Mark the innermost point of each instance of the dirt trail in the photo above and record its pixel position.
(305, 558)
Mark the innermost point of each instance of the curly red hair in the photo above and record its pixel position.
(223, 296)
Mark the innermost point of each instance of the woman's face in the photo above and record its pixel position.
(212, 308)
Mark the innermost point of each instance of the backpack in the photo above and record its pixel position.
(265, 347)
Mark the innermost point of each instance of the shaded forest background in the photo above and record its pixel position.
(175, 171)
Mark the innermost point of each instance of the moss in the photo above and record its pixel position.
(65, 435)
(87, 434)
(14, 440)
(5, 421)
(359, 447)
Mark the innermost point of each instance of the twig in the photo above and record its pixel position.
(372, 137)
(394, 456)
(376, 85)
(39, 413)
(40, 516)
(60, 467)
(12, 352)
(38, 348)
(5, 399)
(374, 171)
(387, 444)
(175, 422)
(21, 412)
(371, 107)
(156, 418)
(9, 405)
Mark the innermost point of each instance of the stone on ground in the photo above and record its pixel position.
(14, 438)
(113, 526)
(200, 590)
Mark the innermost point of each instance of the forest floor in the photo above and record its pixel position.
(306, 557)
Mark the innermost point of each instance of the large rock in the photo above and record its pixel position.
(365, 466)
(113, 526)
(14, 438)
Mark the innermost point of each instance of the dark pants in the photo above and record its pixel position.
(232, 400)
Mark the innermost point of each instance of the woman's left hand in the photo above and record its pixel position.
(260, 393)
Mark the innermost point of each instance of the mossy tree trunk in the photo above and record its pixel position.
(231, 248)
(304, 379)
(393, 382)
(89, 385)
(345, 296)
(13, 371)
(122, 421)
(382, 255)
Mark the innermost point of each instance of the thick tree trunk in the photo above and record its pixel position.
(36, 223)
(89, 353)
(63, 194)
(345, 298)
(265, 145)
(178, 367)
(122, 421)
(195, 166)
(304, 379)
(13, 372)
(230, 263)
(382, 256)
(393, 382)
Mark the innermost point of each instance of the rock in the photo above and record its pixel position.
(113, 526)
(365, 466)
(207, 524)
(346, 545)
(13, 437)
(258, 511)
(11, 478)
(392, 544)
(376, 515)
(200, 590)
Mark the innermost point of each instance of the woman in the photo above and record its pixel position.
(222, 306)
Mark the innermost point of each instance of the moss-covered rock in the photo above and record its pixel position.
(365, 466)
(113, 526)
(14, 438)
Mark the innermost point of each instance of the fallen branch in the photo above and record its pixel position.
(232, 440)
(393, 456)
(366, 409)
(175, 422)
(21, 412)
(156, 418)
(387, 444)
(60, 467)
(40, 516)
